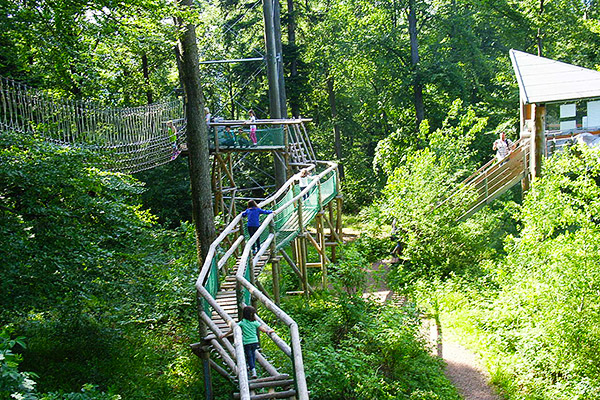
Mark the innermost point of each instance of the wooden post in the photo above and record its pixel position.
(274, 265)
(202, 353)
(321, 242)
(303, 267)
(275, 272)
(301, 251)
(537, 141)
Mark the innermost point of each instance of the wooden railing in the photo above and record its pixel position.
(233, 355)
(493, 179)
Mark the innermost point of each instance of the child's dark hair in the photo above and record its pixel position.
(249, 313)
(252, 204)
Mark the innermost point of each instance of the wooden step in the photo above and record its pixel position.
(272, 378)
(274, 395)
(264, 396)
(271, 384)
(225, 294)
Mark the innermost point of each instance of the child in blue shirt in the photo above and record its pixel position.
(253, 213)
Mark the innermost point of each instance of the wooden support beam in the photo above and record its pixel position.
(313, 265)
(538, 144)
(291, 263)
(220, 370)
(263, 289)
(275, 273)
(317, 246)
(321, 239)
(303, 251)
(332, 233)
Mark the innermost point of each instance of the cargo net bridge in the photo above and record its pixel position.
(306, 215)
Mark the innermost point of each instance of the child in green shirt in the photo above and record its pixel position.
(249, 326)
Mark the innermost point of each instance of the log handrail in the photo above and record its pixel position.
(294, 350)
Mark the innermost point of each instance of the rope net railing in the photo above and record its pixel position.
(128, 139)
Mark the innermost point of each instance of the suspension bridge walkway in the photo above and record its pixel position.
(492, 180)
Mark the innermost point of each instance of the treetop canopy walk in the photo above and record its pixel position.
(133, 139)
(139, 138)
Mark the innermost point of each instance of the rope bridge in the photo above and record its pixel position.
(131, 139)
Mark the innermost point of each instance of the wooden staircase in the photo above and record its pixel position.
(227, 297)
(224, 291)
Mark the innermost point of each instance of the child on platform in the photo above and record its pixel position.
(253, 128)
(249, 326)
(253, 213)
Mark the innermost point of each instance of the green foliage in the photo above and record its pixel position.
(103, 295)
(358, 350)
(21, 385)
(417, 198)
(14, 383)
(349, 273)
(538, 320)
(69, 228)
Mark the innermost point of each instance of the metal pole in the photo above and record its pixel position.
(274, 103)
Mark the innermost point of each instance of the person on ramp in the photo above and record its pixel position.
(253, 213)
(503, 146)
(249, 326)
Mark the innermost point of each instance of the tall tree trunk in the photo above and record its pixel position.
(197, 138)
(294, 101)
(414, 58)
(146, 73)
(273, 73)
(336, 129)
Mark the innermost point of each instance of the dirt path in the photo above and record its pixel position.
(464, 369)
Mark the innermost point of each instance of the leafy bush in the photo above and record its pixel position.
(21, 385)
(354, 349)
(539, 320)
(104, 296)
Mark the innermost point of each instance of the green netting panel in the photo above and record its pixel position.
(285, 237)
(270, 137)
(211, 284)
(310, 205)
(283, 218)
(329, 189)
(240, 137)
(287, 197)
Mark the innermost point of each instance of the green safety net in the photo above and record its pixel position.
(286, 222)
(239, 137)
(211, 284)
(311, 205)
(329, 189)
(286, 227)
(245, 292)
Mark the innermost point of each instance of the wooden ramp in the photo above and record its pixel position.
(224, 289)
(494, 179)
(273, 386)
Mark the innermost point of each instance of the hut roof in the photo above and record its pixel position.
(542, 80)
